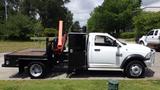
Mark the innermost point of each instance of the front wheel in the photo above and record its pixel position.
(37, 70)
(135, 69)
(141, 43)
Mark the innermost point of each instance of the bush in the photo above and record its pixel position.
(145, 22)
(38, 29)
(50, 32)
(18, 27)
(127, 35)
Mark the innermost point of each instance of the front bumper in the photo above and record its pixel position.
(150, 62)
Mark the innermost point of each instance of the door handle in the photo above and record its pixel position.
(97, 50)
(119, 54)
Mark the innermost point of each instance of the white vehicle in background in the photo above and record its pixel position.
(152, 39)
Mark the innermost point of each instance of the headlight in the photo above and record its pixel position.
(148, 56)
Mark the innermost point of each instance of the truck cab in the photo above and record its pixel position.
(104, 52)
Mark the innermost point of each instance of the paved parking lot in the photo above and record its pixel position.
(12, 73)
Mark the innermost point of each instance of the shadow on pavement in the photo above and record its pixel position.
(20, 76)
(98, 74)
(83, 74)
(149, 73)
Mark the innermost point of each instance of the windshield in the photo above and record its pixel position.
(122, 42)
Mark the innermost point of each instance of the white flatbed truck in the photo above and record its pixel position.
(93, 51)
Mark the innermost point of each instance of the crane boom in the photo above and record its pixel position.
(61, 39)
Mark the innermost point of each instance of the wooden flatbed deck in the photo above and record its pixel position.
(29, 53)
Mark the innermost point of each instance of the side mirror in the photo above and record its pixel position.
(115, 43)
(118, 46)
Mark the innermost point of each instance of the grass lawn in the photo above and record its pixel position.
(77, 85)
(10, 46)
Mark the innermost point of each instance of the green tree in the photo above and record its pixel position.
(50, 32)
(50, 12)
(2, 15)
(145, 22)
(38, 29)
(76, 26)
(19, 27)
(1, 18)
(23, 17)
(113, 16)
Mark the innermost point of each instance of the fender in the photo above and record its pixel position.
(132, 57)
(143, 39)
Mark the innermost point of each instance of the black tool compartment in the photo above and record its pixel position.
(77, 51)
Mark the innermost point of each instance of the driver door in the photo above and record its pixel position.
(103, 52)
(150, 37)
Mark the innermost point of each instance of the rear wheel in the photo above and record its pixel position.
(37, 70)
(135, 69)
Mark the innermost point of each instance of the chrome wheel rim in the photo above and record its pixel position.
(136, 70)
(36, 70)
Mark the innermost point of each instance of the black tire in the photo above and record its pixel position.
(37, 70)
(135, 69)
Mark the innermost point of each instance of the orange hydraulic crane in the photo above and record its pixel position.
(61, 39)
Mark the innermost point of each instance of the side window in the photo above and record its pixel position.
(156, 32)
(99, 41)
(103, 41)
(150, 33)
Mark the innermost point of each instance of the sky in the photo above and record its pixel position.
(154, 7)
(81, 9)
